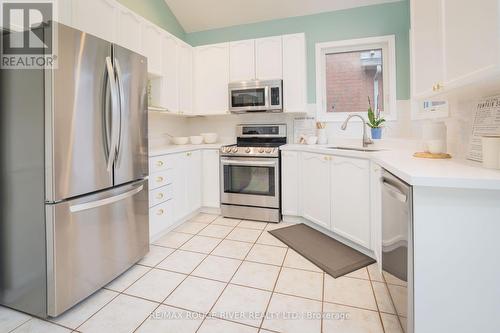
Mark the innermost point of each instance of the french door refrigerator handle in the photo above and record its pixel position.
(114, 105)
(105, 201)
(121, 103)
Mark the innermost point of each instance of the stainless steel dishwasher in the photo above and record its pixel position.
(397, 246)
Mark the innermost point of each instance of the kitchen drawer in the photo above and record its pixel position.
(160, 218)
(160, 163)
(160, 179)
(159, 195)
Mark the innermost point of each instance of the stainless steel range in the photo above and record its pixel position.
(250, 173)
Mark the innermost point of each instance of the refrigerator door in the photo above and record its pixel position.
(93, 239)
(132, 147)
(77, 117)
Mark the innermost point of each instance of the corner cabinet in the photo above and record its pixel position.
(333, 192)
(350, 199)
(454, 44)
(211, 78)
(315, 188)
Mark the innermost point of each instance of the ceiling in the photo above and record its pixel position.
(199, 15)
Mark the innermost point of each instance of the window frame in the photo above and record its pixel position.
(388, 46)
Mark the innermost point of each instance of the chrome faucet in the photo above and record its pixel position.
(366, 140)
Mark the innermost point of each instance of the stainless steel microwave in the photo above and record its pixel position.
(256, 96)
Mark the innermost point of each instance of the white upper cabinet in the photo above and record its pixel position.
(97, 17)
(268, 58)
(350, 199)
(170, 73)
(185, 78)
(294, 73)
(211, 68)
(427, 46)
(455, 43)
(471, 39)
(290, 182)
(242, 60)
(152, 44)
(315, 188)
(128, 30)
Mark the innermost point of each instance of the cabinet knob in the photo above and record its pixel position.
(188, 154)
(159, 196)
(160, 212)
(327, 158)
(159, 179)
(159, 163)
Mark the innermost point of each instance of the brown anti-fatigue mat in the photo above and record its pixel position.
(330, 255)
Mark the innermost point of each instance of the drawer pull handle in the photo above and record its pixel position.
(160, 212)
(159, 163)
(159, 196)
(159, 179)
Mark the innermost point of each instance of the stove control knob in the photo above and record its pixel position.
(261, 150)
(248, 150)
(234, 150)
(268, 150)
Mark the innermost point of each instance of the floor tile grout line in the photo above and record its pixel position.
(188, 275)
(376, 303)
(274, 288)
(227, 284)
(24, 322)
(392, 302)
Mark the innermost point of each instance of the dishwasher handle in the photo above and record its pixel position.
(393, 191)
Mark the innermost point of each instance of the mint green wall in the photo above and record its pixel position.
(377, 20)
(157, 12)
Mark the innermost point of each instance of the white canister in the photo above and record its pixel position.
(491, 152)
(322, 139)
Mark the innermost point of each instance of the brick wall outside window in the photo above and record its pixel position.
(348, 83)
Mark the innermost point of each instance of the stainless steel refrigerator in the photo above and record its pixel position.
(73, 177)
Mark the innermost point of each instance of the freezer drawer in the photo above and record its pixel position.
(93, 239)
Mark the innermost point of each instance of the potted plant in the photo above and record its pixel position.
(375, 121)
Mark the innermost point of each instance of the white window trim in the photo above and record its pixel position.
(388, 46)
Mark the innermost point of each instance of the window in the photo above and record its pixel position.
(349, 72)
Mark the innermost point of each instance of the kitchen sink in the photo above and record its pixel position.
(365, 149)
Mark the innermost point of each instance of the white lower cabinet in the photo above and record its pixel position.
(315, 188)
(290, 183)
(210, 179)
(333, 192)
(177, 188)
(350, 199)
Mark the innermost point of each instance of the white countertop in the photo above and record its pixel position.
(163, 149)
(454, 173)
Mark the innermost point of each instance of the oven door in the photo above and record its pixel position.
(250, 181)
(244, 99)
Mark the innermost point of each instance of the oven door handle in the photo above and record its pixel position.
(248, 163)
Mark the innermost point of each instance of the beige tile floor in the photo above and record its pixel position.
(214, 274)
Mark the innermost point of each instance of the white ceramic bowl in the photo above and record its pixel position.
(312, 140)
(180, 140)
(196, 139)
(209, 137)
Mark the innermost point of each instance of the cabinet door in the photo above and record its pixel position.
(350, 199)
(211, 179)
(185, 78)
(96, 17)
(290, 183)
(193, 180)
(128, 31)
(160, 218)
(170, 74)
(315, 188)
(211, 66)
(242, 60)
(179, 182)
(426, 45)
(65, 12)
(268, 58)
(152, 45)
(471, 39)
(294, 73)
